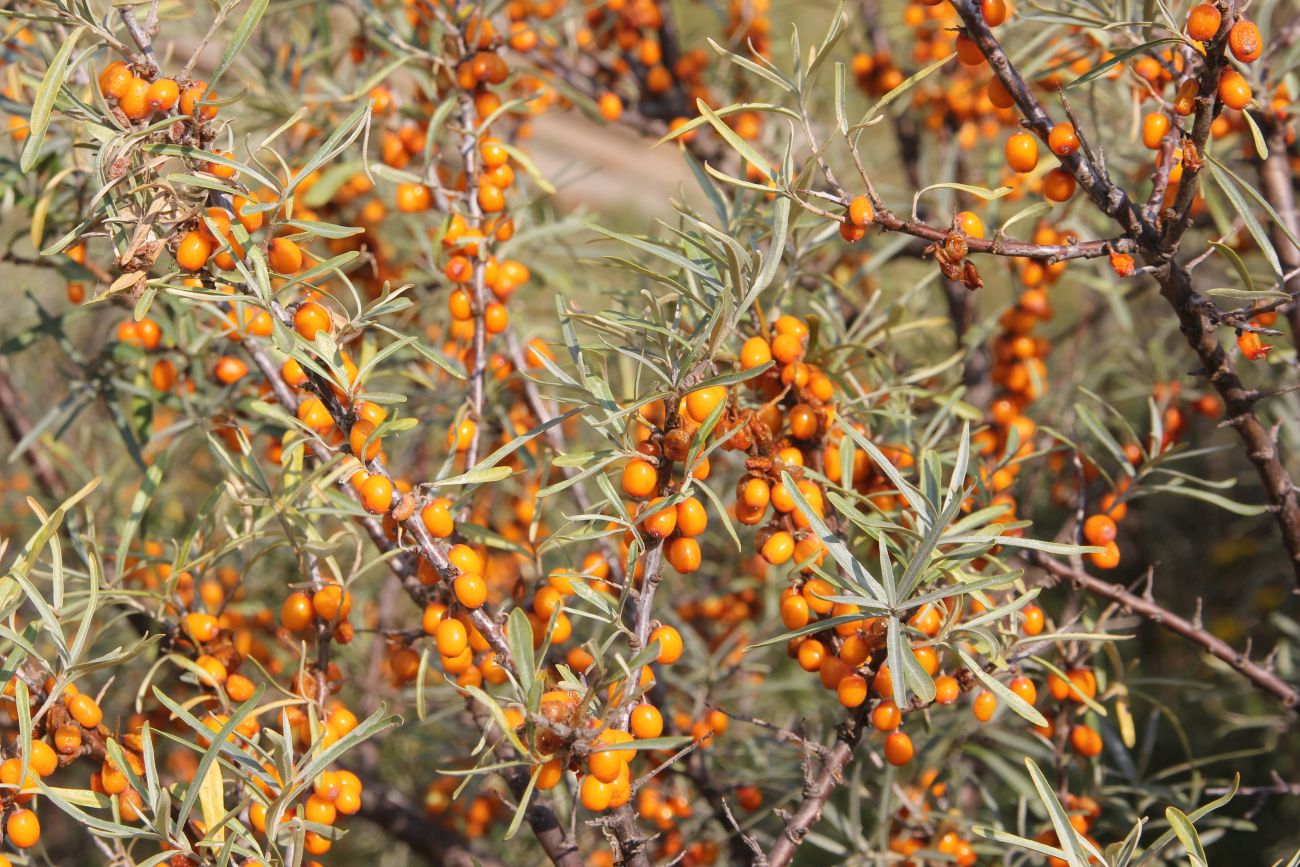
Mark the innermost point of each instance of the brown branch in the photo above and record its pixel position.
(1261, 677)
(828, 777)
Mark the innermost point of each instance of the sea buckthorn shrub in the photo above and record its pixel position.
(913, 486)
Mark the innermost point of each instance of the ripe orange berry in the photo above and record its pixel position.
(1058, 185)
(970, 223)
(361, 431)
(114, 79)
(1154, 129)
(1024, 687)
(860, 211)
(1099, 529)
(946, 689)
(413, 198)
(851, 690)
(701, 402)
(692, 518)
(23, 829)
(639, 478)
(1022, 152)
(1233, 90)
(1085, 741)
(778, 548)
(595, 795)
(1107, 558)
(994, 11)
(755, 353)
(1063, 140)
(201, 627)
(376, 494)
(898, 749)
(471, 591)
(229, 370)
(611, 107)
(310, 319)
(331, 602)
(670, 644)
(296, 612)
(438, 520)
(239, 688)
(968, 52)
(162, 95)
(134, 100)
(646, 721)
(1034, 620)
(284, 256)
(44, 761)
(1203, 22)
(1245, 42)
(193, 95)
(684, 554)
(885, 717)
(193, 251)
(85, 711)
(452, 638)
(660, 524)
(986, 703)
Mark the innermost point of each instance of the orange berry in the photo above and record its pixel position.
(193, 251)
(684, 554)
(23, 829)
(898, 749)
(1058, 185)
(639, 478)
(85, 711)
(659, 523)
(861, 212)
(376, 494)
(1085, 741)
(1022, 152)
(692, 518)
(646, 722)
(310, 319)
(595, 795)
(1107, 558)
(1203, 22)
(284, 256)
(755, 353)
(1154, 129)
(885, 717)
(470, 589)
(1233, 89)
(296, 612)
(202, 627)
(851, 690)
(331, 602)
(946, 689)
(114, 79)
(701, 402)
(162, 94)
(44, 761)
(134, 101)
(1034, 620)
(986, 703)
(1245, 42)
(193, 95)
(670, 644)
(1099, 529)
(1063, 140)
(451, 637)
